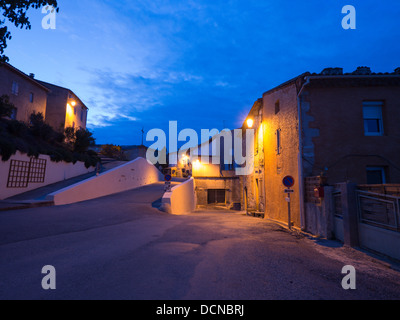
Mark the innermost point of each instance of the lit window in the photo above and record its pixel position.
(15, 88)
(376, 175)
(373, 121)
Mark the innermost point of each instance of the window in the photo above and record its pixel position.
(278, 141)
(373, 121)
(277, 107)
(31, 97)
(376, 175)
(75, 111)
(216, 196)
(15, 88)
(82, 111)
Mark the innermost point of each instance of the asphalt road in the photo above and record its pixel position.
(123, 247)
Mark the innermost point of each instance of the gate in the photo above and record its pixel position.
(380, 210)
(379, 221)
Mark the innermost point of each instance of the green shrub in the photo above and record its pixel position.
(39, 138)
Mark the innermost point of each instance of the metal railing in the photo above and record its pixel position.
(380, 210)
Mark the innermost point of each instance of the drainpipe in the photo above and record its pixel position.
(300, 157)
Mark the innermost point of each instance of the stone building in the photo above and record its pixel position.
(216, 182)
(253, 198)
(64, 108)
(25, 93)
(338, 126)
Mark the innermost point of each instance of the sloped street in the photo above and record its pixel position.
(123, 247)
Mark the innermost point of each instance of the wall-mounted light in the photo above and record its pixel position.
(73, 103)
(197, 164)
(250, 123)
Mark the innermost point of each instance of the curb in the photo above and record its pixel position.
(20, 206)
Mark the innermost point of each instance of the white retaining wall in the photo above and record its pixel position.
(55, 172)
(129, 176)
(181, 200)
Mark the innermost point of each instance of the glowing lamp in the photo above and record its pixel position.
(250, 123)
(197, 164)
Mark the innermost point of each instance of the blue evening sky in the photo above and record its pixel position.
(144, 63)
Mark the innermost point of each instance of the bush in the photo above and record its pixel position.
(40, 138)
(112, 151)
(6, 107)
(7, 148)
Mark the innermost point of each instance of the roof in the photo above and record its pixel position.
(329, 76)
(50, 85)
(287, 83)
(28, 78)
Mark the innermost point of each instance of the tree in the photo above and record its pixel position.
(112, 151)
(6, 107)
(15, 11)
(83, 140)
(39, 128)
(79, 140)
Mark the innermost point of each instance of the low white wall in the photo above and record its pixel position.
(55, 172)
(129, 176)
(181, 199)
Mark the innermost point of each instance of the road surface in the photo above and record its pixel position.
(123, 247)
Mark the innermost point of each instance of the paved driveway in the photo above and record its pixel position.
(123, 247)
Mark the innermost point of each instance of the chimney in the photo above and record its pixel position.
(362, 71)
(332, 72)
(32, 75)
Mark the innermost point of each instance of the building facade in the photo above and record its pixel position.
(25, 93)
(64, 108)
(340, 127)
(253, 197)
(216, 182)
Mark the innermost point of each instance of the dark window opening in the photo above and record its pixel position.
(216, 196)
(277, 107)
(278, 141)
(376, 175)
